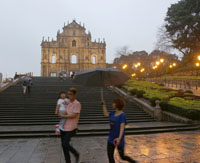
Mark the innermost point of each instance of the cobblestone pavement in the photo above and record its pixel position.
(182, 147)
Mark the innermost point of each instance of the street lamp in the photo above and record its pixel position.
(162, 60)
(142, 70)
(125, 66)
(133, 75)
(157, 63)
(174, 64)
(137, 65)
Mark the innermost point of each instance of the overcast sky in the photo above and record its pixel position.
(23, 23)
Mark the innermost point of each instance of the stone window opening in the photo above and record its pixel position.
(94, 60)
(74, 59)
(73, 43)
(74, 33)
(53, 74)
(53, 59)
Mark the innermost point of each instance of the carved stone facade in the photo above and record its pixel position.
(73, 51)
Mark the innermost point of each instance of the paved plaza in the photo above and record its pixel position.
(182, 147)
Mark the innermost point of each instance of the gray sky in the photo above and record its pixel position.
(133, 23)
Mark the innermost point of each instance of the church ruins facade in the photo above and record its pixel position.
(73, 51)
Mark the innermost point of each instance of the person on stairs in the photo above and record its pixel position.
(24, 87)
(62, 103)
(70, 126)
(30, 83)
(116, 137)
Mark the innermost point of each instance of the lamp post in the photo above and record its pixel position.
(133, 75)
(198, 57)
(197, 68)
(124, 66)
(158, 63)
(162, 60)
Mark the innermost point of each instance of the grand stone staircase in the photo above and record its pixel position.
(33, 115)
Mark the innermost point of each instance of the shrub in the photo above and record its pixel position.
(179, 94)
(188, 98)
(189, 91)
(189, 113)
(153, 100)
(119, 86)
(140, 94)
(133, 91)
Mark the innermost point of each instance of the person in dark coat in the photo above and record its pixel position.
(29, 86)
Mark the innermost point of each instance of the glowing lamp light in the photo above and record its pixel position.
(174, 64)
(139, 64)
(133, 75)
(197, 64)
(136, 66)
(198, 57)
(161, 60)
(170, 66)
(142, 70)
(157, 63)
(125, 66)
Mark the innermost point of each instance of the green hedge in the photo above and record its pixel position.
(140, 94)
(189, 113)
(133, 91)
(176, 101)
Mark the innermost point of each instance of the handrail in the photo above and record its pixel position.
(4, 86)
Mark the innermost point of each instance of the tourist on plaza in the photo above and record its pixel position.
(117, 130)
(16, 76)
(61, 77)
(62, 103)
(73, 75)
(30, 83)
(70, 126)
(24, 86)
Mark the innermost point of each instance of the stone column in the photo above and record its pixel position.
(158, 111)
(1, 78)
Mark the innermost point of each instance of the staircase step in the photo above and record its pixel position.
(97, 133)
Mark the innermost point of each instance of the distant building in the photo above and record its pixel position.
(73, 51)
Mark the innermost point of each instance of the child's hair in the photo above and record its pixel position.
(73, 90)
(120, 103)
(62, 92)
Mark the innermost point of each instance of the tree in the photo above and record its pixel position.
(183, 27)
(164, 42)
(163, 68)
(123, 51)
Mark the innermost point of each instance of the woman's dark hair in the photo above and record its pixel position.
(120, 103)
(62, 92)
(73, 90)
